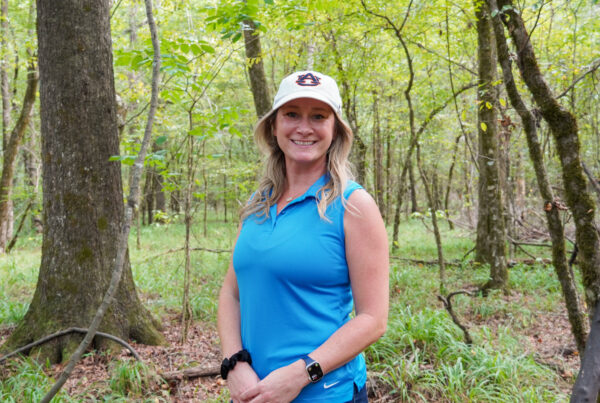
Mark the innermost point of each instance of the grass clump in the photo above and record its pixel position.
(133, 380)
(24, 381)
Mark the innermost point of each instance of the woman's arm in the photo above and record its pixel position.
(368, 265)
(242, 376)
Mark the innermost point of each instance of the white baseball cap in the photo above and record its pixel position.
(309, 84)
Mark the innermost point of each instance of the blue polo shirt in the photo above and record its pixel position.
(295, 290)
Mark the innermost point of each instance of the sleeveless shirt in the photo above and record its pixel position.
(294, 290)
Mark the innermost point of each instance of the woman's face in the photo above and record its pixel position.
(304, 128)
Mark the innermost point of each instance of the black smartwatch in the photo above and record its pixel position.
(313, 369)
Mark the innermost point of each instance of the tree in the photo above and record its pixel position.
(83, 195)
(555, 225)
(563, 126)
(490, 247)
(256, 70)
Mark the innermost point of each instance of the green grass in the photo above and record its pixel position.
(29, 383)
(422, 357)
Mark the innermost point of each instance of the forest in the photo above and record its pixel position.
(128, 151)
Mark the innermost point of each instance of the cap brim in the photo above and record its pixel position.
(303, 94)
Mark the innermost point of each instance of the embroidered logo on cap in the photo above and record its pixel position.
(308, 80)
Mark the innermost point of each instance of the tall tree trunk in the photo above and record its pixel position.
(377, 157)
(563, 126)
(429, 192)
(359, 151)
(388, 175)
(32, 168)
(256, 70)
(414, 207)
(587, 385)
(148, 199)
(4, 80)
(449, 184)
(490, 246)
(555, 226)
(11, 151)
(83, 194)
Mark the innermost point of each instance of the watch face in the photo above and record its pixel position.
(315, 372)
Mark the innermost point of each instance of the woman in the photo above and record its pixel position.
(311, 245)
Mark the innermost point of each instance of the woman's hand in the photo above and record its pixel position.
(280, 386)
(240, 379)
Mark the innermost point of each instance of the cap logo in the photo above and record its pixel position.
(308, 80)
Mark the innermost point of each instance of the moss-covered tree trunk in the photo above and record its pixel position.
(563, 126)
(82, 190)
(555, 226)
(490, 246)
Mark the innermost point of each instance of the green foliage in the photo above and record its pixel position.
(27, 384)
(422, 356)
(132, 380)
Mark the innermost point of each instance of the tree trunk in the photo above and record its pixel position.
(490, 246)
(256, 70)
(449, 184)
(148, 199)
(429, 192)
(377, 157)
(414, 207)
(555, 226)
(11, 150)
(4, 80)
(563, 126)
(587, 384)
(348, 88)
(32, 168)
(82, 189)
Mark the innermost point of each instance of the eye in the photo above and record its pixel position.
(291, 114)
(318, 116)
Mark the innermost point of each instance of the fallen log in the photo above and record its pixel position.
(193, 372)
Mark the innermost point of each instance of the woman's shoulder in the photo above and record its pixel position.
(351, 186)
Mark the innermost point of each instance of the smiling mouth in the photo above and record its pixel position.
(303, 143)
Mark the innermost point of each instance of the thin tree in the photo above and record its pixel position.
(490, 246)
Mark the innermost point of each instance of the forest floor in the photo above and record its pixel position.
(548, 339)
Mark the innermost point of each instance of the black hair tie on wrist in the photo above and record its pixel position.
(228, 363)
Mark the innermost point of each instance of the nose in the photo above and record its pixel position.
(304, 128)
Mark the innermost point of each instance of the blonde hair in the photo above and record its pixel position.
(272, 183)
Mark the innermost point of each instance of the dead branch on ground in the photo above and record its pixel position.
(447, 301)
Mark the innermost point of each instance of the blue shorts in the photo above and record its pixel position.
(360, 396)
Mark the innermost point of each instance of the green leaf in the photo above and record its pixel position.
(207, 48)
(502, 102)
(483, 126)
(488, 105)
(195, 49)
(123, 59)
(160, 140)
(236, 37)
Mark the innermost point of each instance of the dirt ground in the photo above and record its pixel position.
(548, 337)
